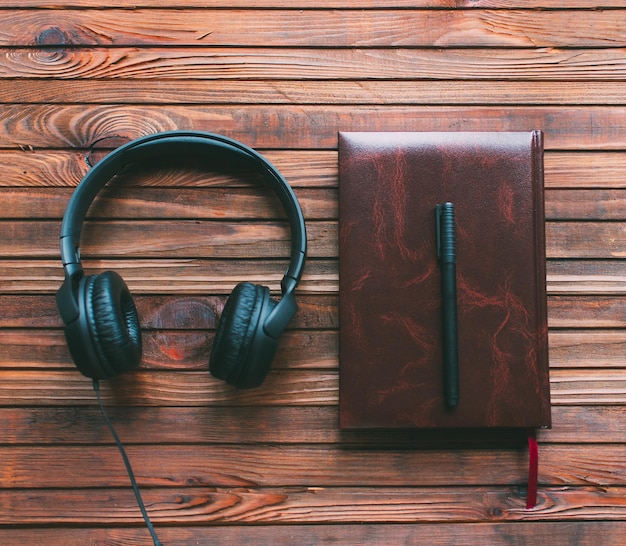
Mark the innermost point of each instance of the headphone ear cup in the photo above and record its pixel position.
(113, 323)
(242, 353)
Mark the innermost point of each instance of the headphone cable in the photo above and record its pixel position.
(129, 470)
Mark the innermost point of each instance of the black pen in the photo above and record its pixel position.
(446, 252)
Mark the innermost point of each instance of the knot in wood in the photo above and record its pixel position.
(52, 36)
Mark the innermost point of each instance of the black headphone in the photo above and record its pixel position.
(101, 323)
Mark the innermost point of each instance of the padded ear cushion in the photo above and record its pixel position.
(230, 355)
(113, 323)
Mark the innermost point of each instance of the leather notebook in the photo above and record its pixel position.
(391, 349)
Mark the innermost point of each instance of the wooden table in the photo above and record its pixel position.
(269, 466)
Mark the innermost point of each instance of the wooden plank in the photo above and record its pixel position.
(46, 168)
(585, 170)
(259, 202)
(314, 4)
(417, 92)
(311, 28)
(381, 534)
(201, 277)
(586, 312)
(306, 168)
(262, 506)
(171, 276)
(587, 348)
(162, 312)
(582, 424)
(268, 466)
(590, 386)
(586, 240)
(299, 349)
(204, 276)
(282, 388)
(166, 349)
(213, 239)
(586, 277)
(303, 127)
(183, 239)
(167, 389)
(544, 64)
(285, 425)
(605, 204)
(190, 350)
(320, 311)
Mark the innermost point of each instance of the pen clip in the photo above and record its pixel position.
(438, 227)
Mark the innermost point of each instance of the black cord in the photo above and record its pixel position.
(133, 481)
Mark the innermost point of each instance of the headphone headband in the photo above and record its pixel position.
(183, 143)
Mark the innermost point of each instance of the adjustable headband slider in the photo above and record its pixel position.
(281, 315)
(70, 255)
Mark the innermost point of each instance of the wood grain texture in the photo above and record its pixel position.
(31, 127)
(315, 425)
(270, 466)
(308, 168)
(310, 28)
(206, 276)
(227, 203)
(415, 91)
(259, 239)
(190, 349)
(51, 168)
(496, 533)
(321, 505)
(171, 276)
(314, 4)
(316, 63)
(199, 312)
(290, 388)
(267, 466)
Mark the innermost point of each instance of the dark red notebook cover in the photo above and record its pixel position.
(390, 339)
